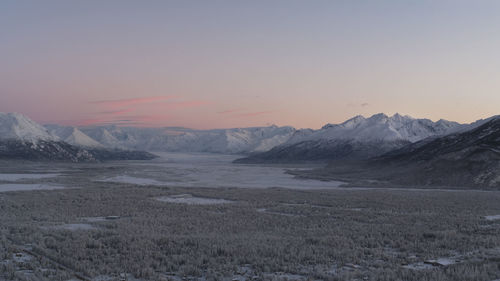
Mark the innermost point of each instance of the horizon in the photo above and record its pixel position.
(207, 65)
(229, 128)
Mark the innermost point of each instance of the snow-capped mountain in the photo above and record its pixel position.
(229, 141)
(467, 158)
(72, 135)
(22, 138)
(380, 127)
(19, 127)
(102, 136)
(356, 138)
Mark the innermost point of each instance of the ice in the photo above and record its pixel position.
(16, 177)
(75, 226)
(492, 218)
(26, 187)
(191, 200)
(418, 266)
(212, 170)
(133, 180)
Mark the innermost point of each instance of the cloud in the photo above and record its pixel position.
(229, 111)
(141, 111)
(131, 101)
(185, 104)
(116, 112)
(254, 114)
(127, 120)
(363, 104)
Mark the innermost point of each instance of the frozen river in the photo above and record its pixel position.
(212, 170)
(169, 169)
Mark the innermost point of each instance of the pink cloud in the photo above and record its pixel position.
(229, 111)
(254, 114)
(185, 104)
(127, 120)
(144, 111)
(132, 101)
(116, 112)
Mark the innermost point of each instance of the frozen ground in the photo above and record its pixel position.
(305, 230)
(132, 180)
(192, 200)
(16, 177)
(170, 169)
(75, 226)
(26, 187)
(211, 170)
(492, 218)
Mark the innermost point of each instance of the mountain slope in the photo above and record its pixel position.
(43, 151)
(23, 139)
(470, 158)
(228, 141)
(72, 135)
(20, 127)
(356, 138)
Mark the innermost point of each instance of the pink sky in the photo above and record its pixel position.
(202, 64)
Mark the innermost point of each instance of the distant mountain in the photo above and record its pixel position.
(19, 127)
(22, 138)
(228, 141)
(72, 135)
(41, 150)
(470, 158)
(356, 138)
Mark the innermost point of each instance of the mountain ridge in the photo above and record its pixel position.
(355, 138)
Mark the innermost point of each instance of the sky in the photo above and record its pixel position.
(221, 64)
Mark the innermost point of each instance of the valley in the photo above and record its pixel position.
(97, 228)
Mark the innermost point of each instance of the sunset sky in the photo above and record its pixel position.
(219, 64)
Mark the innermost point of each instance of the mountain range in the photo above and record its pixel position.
(380, 149)
(354, 139)
(22, 138)
(469, 157)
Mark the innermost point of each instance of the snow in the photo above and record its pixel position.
(100, 219)
(418, 266)
(26, 187)
(192, 200)
(72, 135)
(378, 127)
(102, 136)
(226, 141)
(21, 257)
(216, 170)
(132, 180)
(442, 261)
(266, 211)
(492, 218)
(75, 226)
(16, 177)
(19, 127)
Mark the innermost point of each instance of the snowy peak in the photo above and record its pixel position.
(72, 135)
(380, 127)
(103, 136)
(232, 141)
(19, 127)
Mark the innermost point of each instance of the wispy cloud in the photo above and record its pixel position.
(185, 104)
(141, 111)
(131, 101)
(254, 114)
(229, 111)
(363, 104)
(116, 112)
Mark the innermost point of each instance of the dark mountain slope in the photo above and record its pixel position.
(467, 159)
(42, 150)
